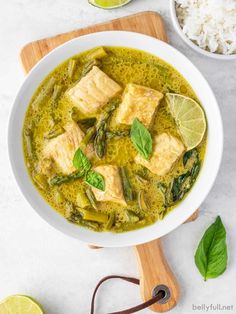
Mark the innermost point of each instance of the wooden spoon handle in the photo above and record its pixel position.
(154, 271)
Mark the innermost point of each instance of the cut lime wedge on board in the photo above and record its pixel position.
(189, 118)
(109, 4)
(20, 304)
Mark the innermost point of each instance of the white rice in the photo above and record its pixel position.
(211, 24)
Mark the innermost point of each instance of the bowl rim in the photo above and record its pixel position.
(189, 42)
(209, 169)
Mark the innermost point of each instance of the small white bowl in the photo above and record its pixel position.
(190, 42)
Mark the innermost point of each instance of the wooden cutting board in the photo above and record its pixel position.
(153, 267)
(149, 23)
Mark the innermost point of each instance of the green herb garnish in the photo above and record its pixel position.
(91, 177)
(95, 179)
(211, 255)
(141, 139)
(81, 162)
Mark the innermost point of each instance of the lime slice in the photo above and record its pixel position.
(20, 304)
(189, 117)
(108, 4)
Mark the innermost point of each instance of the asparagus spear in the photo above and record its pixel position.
(97, 53)
(57, 89)
(132, 216)
(88, 137)
(41, 181)
(84, 124)
(116, 134)
(73, 215)
(91, 198)
(82, 200)
(111, 221)
(28, 136)
(94, 216)
(54, 132)
(89, 65)
(71, 68)
(59, 179)
(128, 192)
(100, 138)
(142, 201)
(48, 88)
(140, 178)
(87, 123)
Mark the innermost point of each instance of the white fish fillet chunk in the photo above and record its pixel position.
(62, 148)
(113, 186)
(167, 149)
(93, 91)
(138, 102)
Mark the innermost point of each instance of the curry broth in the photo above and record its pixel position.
(123, 65)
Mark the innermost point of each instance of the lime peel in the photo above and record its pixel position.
(20, 304)
(109, 4)
(189, 118)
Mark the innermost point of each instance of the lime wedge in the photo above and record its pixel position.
(20, 304)
(108, 4)
(189, 117)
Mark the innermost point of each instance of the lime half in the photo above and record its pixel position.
(189, 117)
(108, 4)
(20, 304)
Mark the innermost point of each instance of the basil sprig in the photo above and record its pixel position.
(141, 139)
(91, 177)
(211, 255)
(95, 179)
(81, 162)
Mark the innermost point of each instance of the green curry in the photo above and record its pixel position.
(77, 191)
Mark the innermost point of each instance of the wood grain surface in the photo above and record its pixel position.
(149, 23)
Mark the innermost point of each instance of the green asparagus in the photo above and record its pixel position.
(59, 179)
(128, 192)
(39, 100)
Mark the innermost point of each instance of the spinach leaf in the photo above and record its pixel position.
(181, 184)
(211, 255)
(191, 153)
(81, 162)
(165, 194)
(141, 139)
(95, 179)
(186, 157)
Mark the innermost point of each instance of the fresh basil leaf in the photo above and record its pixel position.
(141, 139)
(81, 162)
(95, 179)
(211, 255)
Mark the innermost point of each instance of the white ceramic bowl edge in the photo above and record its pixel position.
(213, 152)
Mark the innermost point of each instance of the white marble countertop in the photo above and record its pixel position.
(59, 271)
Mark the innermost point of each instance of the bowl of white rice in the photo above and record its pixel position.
(208, 26)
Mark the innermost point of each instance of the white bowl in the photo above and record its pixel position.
(190, 42)
(213, 152)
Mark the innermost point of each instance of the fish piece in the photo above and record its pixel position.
(138, 102)
(113, 186)
(167, 149)
(62, 148)
(93, 91)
